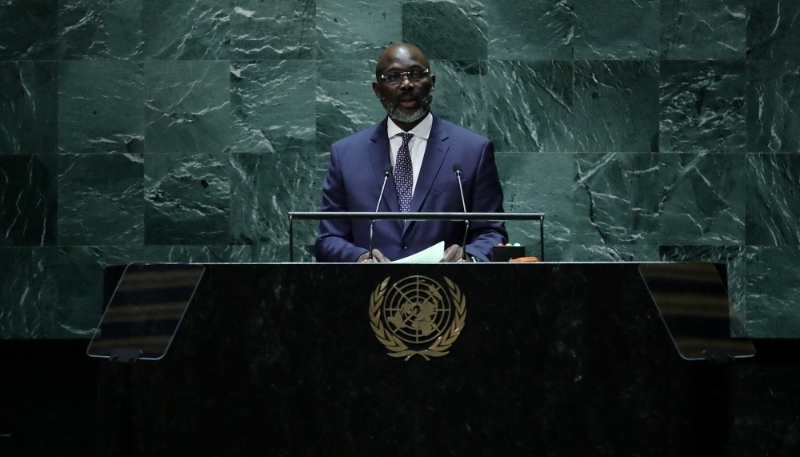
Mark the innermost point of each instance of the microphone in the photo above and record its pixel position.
(457, 171)
(387, 170)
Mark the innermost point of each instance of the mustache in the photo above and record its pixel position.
(409, 96)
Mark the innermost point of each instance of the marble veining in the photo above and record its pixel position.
(28, 107)
(361, 29)
(773, 106)
(703, 30)
(616, 29)
(187, 106)
(270, 106)
(773, 204)
(616, 106)
(531, 106)
(29, 297)
(260, 203)
(101, 107)
(772, 30)
(187, 199)
(100, 29)
(28, 200)
(532, 30)
(243, 30)
(100, 200)
(702, 107)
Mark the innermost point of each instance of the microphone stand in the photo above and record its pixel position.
(387, 170)
(457, 170)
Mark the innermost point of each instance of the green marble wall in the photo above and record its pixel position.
(184, 131)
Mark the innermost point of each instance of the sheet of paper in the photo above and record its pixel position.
(431, 255)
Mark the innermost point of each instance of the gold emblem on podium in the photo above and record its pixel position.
(417, 316)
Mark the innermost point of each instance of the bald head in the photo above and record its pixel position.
(400, 52)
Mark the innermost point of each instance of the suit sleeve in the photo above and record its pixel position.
(487, 196)
(335, 237)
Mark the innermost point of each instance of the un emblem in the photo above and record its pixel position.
(417, 316)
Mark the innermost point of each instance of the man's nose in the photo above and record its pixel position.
(405, 81)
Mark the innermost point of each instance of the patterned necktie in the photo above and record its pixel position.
(404, 174)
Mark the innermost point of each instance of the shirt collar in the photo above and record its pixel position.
(422, 130)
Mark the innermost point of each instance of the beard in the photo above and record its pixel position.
(393, 110)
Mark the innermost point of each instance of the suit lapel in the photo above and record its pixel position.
(380, 156)
(435, 152)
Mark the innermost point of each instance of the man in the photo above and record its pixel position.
(422, 149)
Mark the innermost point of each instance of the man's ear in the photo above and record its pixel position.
(377, 89)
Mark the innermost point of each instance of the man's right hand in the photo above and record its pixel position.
(377, 257)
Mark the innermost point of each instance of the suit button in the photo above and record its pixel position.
(404, 247)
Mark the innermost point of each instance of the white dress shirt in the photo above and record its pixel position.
(416, 146)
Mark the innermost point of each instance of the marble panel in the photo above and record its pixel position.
(702, 106)
(188, 106)
(265, 187)
(28, 200)
(358, 29)
(272, 106)
(459, 95)
(28, 30)
(28, 293)
(100, 29)
(600, 253)
(304, 250)
(538, 183)
(28, 107)
(773, 106)
(187, 199)
(773, 200)
(616, 106)
(702, 199)
(100, 200)
(773, 288)
(345, 101)
(773, 30)
(531, 29)
(447, 31)
(614, 200)
(703, 29)
(616, 29)
(101, 107)
(237, 30)
(531, 106)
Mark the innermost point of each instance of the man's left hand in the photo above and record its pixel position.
(454, 253)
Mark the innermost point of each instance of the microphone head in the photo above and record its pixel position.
(387, 170)
(457, 167)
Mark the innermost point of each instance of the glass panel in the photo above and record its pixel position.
(145, 311)
(693, 303)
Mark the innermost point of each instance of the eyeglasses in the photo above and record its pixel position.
(394, 77)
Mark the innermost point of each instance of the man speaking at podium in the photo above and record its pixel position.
(417, 158)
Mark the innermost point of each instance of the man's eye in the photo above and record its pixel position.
(417, 73)
(392, 77)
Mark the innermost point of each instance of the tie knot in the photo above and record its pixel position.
(406, 137)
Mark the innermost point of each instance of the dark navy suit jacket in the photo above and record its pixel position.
(354, 182)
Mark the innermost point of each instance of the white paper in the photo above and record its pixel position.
(433, 254)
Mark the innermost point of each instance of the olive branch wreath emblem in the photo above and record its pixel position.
(440, 347)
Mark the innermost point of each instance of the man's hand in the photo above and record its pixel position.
(454, 253)
(377, 257)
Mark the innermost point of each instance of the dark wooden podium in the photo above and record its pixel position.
(281, 360)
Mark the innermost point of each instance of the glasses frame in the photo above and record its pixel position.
(407, 74)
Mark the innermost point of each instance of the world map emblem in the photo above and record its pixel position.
(417, 316)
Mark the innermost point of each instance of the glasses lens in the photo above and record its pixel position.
(392, 77)
(417, 74)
